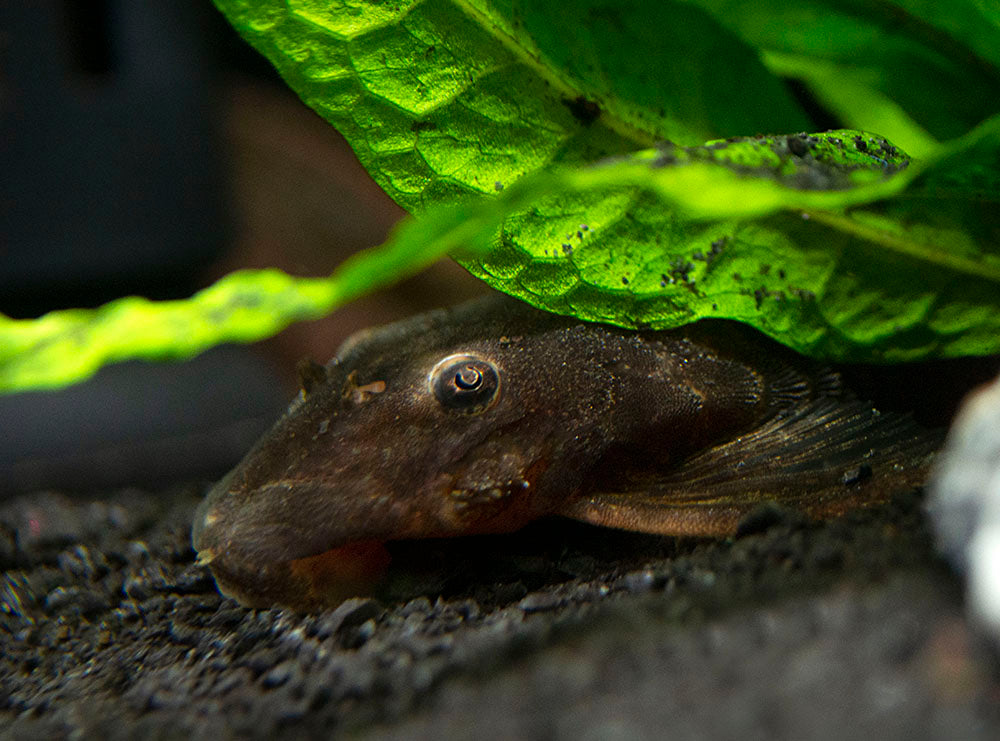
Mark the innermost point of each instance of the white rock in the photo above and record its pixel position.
(964, 502)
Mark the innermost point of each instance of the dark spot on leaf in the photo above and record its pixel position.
(759, 295)
(798, 146)
(781, 274)
(860, 144)
(715, 307)
(714, 250)
(889, 151)
(680, 269)
(418, 126)
(579, 235)
(737, 277)
(665, 158)
(765, 269)
(584, 227)
(624, 281)
(567, 249)
(585, 111)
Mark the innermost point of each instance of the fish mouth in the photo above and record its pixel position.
(261, 561)
(304, 584)
(262, 551)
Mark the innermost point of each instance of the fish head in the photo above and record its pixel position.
(442, 425)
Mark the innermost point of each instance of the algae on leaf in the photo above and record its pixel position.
(833, 244)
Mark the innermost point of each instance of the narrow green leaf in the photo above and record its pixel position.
(858, 103)
(974, 23)
(65, 347)
(904, 68)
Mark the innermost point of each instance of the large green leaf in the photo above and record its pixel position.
(443, 99)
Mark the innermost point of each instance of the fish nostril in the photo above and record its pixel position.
(357, 394)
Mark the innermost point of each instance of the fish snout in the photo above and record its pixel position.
(260, 558)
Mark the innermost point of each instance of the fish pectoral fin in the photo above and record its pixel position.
(823, 458)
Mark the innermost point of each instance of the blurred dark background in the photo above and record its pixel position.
(146, 149)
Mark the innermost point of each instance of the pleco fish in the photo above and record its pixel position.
(483, 418)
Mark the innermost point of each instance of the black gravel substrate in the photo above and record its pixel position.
(848, 629)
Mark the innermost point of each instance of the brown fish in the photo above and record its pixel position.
(483, 418)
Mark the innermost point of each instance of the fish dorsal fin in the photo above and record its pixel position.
(823, 457)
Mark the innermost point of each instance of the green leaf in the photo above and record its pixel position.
(443, 99)
(912, 70)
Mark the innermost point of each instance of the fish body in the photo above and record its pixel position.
(483, 418)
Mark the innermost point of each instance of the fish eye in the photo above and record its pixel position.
(465, 383)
